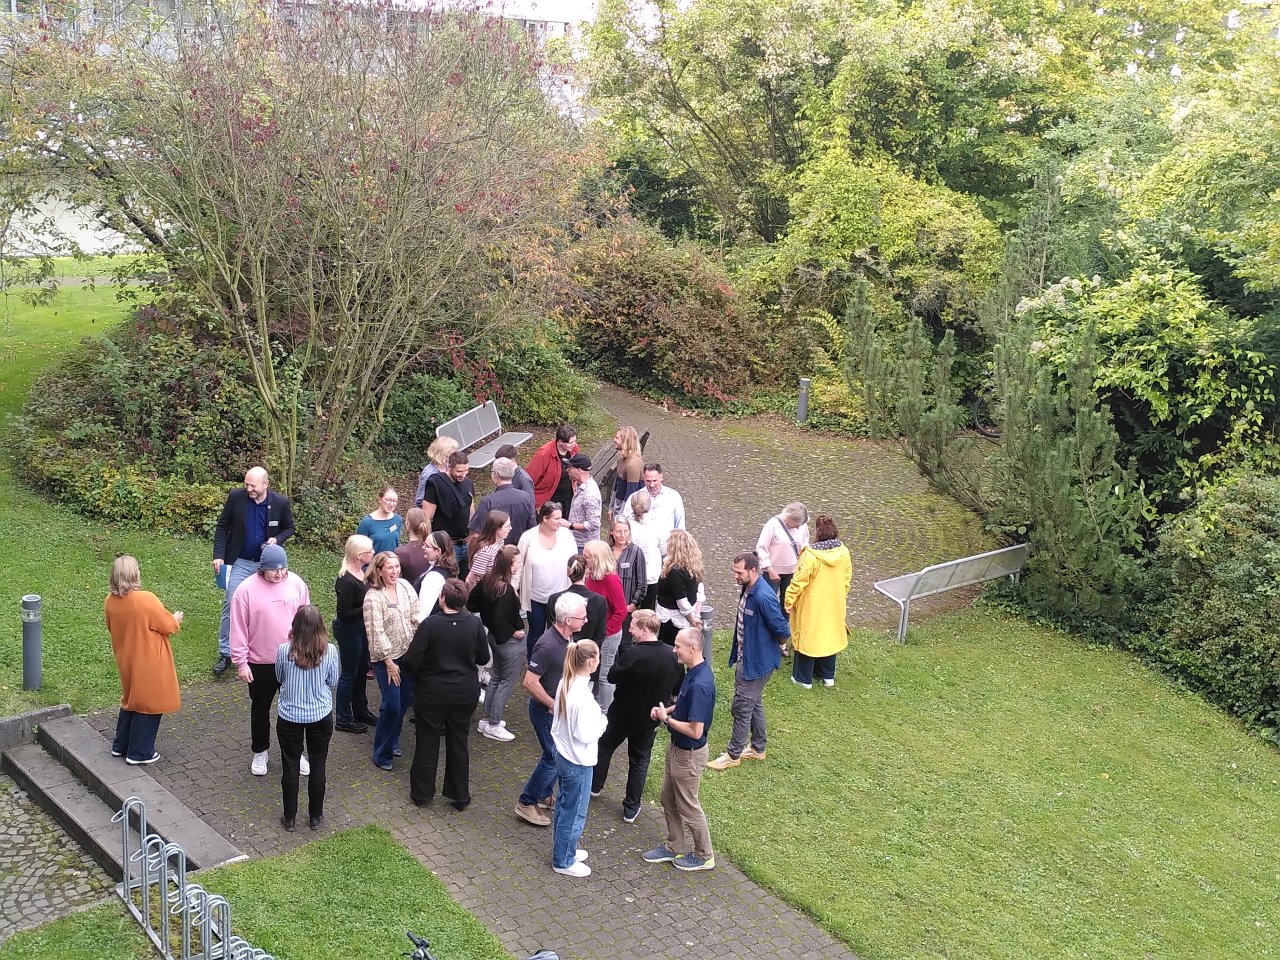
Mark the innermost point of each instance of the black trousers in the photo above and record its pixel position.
(353, 654)
(315, 737)
(639, 736)
(262, 693)
(452, 721)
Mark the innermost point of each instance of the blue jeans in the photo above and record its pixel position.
(460, 554)
(240, 571)
(395, 704)
(570, 814)
(803, 667)
(544, 774)
(136, 734)
(537, 625)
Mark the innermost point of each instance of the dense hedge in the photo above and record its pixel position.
(1214, 598)
(142, 425)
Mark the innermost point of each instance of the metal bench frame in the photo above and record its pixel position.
(953, 574)
(477, 425)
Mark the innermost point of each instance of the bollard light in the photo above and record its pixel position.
(707, 614)
(31, 642)
(802, 406)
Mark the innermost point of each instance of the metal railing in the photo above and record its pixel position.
(171, 909)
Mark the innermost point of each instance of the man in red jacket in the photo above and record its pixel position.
(549, 468)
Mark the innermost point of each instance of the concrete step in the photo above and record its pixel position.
(87, 754)
(78, 810)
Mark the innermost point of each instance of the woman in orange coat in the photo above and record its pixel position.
(140, 628)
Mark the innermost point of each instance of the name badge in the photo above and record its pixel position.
(273, 523)
(624, 566)
(749, 612)
(392, 529)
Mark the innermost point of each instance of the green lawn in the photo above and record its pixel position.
(351, 896)
(995, 789)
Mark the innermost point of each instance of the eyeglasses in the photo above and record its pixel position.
(581, 619)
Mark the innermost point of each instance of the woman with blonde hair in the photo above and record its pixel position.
(628, 473)
(390, 618)
(352, 706)
(602, 579)
(679, 586)
(414, 561)
(437, 462)
(576, 726)
(140, 628)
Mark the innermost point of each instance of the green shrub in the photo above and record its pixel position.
(644, 310)
(538, 386)
(1213, 597)
(417, 405)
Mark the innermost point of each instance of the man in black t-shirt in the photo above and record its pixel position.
(448, 501)
(546, 669)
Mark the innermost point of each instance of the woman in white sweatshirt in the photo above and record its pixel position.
(576, 726)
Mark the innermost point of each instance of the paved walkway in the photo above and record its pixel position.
(43, 874)
(733, 475)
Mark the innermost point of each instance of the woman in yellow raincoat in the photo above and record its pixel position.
(816, 602)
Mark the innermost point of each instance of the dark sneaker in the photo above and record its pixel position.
(629, 816)
(370, 718)
(660, 855)
(288, 823)
(221, 665)
(317, 823)
(138, 763)
(350, 726)
(691, 861)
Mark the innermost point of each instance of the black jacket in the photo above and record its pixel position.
(444, 654)
(643, 676)
(228, 537)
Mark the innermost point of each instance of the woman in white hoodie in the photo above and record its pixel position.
(577, 724)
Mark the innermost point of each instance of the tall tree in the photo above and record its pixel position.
(340, 190)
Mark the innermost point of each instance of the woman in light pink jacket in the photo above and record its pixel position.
(782, 539)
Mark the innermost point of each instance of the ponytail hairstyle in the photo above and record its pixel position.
(576, 568)
(356, 544)
(448, 562)
(415, 521)
(576, 661)
(308, 638)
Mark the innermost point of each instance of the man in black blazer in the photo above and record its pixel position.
(253, 517)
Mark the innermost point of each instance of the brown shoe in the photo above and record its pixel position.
(723, 762)
(532, 815)
(750, 753)
(548, 804)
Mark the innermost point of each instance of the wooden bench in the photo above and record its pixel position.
(942, 577)
(476, 426)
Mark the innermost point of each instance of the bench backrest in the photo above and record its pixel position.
(942, 577)
(473, 427)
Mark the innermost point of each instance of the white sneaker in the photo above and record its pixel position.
(580, 856)
(828, 683)
(578, 869)
(304, 766)
(497, 731)
(259, 766)
(482, 727)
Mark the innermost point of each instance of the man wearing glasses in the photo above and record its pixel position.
(546, 667)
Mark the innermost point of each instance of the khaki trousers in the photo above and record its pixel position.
(680, 803)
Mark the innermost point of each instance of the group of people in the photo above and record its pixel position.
(459, 601)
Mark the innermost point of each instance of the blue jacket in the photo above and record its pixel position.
(765, 628)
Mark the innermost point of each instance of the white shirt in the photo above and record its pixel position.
(666, 513)
(578, 729)
(644, 536)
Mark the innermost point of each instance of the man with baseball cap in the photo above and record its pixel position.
(584, 511)
(262, 612)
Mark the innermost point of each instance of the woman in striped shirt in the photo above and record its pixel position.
(307, 670)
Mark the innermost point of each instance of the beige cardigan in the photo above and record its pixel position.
(390, 629)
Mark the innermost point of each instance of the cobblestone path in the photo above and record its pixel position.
(42, 874)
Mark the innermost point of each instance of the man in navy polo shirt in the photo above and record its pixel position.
(689, 722)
